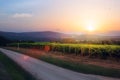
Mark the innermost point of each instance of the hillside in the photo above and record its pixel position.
(34, 36)
(56, 36)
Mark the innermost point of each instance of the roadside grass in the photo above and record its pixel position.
(83, 68)
(15, 71)
(78, 67)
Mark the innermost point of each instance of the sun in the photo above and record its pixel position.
(90, 28)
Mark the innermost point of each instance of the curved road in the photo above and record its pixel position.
(45, 71)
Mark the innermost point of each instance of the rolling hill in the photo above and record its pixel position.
(56, 36)
(34, 36)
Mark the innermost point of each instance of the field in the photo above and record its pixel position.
(99, 59)
(76, 63)
(90, 50)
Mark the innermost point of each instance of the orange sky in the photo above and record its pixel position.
(60, 15)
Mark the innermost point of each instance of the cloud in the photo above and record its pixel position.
(22, 15)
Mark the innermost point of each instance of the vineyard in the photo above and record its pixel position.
(90, 50)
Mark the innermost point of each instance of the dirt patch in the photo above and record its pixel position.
(80, 59)
(109, 63)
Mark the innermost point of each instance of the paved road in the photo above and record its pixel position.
(45, 71)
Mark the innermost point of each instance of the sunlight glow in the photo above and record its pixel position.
(90, 26)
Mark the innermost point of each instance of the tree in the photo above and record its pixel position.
(4, 41)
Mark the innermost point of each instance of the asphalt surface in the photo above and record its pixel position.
(45, 71)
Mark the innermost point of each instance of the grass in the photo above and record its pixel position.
(15, 71)
(79, 67)
(83, 68)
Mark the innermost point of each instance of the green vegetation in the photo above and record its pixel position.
(4, 41)
(79, 67)
(91, 50)
(84, 68)
(15, 71)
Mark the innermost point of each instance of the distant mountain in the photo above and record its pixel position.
(56, 36)
(113, 33)
(34, 36)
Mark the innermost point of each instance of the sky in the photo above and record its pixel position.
(60, 15)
